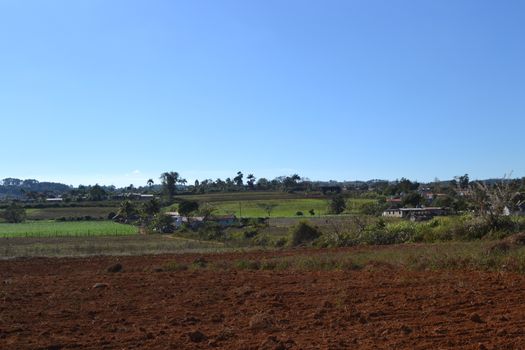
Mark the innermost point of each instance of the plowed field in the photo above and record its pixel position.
(75, 303)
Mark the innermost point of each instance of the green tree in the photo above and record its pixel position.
(303, 233)
(412, 199)
(162, 223)
(97, 193)
(251, 181)
(289, 182)
(187, 207)
(150, 183)
(463, 181)
(151, 207)
(267, 207)
(337, 204)
(127, 211)
(238, 179)
(169, 183)
(14, 213)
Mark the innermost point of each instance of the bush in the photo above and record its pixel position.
(248, 264)
(175, 266)
(374, 209)
(299, 213)
(211, 231)
(14, 213)
(281, 242)
(303, 232)
(162, 223)
(261, 240)
(250, 233)
(337, 204)
(187, 207)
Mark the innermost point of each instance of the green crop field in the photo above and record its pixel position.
(246, 196)
(283, 207)
(69, 212)
(55, 229)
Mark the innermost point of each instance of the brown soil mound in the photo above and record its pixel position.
(51, 304)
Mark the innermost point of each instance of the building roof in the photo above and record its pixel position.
(417, 209)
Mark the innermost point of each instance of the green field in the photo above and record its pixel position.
(55, 229)
(284, 207)
(246, 196)
(69, 212)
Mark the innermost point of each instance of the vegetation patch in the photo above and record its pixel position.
(55, 229)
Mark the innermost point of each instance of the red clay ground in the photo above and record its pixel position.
(51, 304)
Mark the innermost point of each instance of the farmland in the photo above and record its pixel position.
(376, 297)
(76, 228)
(359, 281)
(64, 246)
(69, 212)
(283, 208)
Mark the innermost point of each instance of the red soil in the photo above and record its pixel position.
(52, 304)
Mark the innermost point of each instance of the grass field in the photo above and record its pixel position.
(95, 245)
(67, 212)
(77, 228)
(284, 207)
(246, 196)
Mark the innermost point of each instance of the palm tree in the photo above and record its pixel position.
(150, 182)
(127, 210)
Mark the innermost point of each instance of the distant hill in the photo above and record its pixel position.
(12, 188)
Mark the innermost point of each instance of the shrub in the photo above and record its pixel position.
(250, 233)
(248, 264)
(281, 242)
(381, 234)
(299, 213)
(303, 232)
(337, 204)
(374, 209)
(162, 223)
(261, 240)
(211, 231)
(187, 207)
(14, 213)
(175, 266)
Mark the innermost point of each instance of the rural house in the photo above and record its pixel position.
(415, 214)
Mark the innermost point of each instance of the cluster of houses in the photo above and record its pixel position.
(196, 221)
(427, 213)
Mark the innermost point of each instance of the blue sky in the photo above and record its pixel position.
(116, 92)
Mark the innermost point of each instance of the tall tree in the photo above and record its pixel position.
(251, 181)
(238, 179)
(169, 183)
(127, 211)
(97, 193)
(337, 204)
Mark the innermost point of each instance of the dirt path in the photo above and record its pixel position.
(51, 304)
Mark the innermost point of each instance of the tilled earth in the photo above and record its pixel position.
(75, 303)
